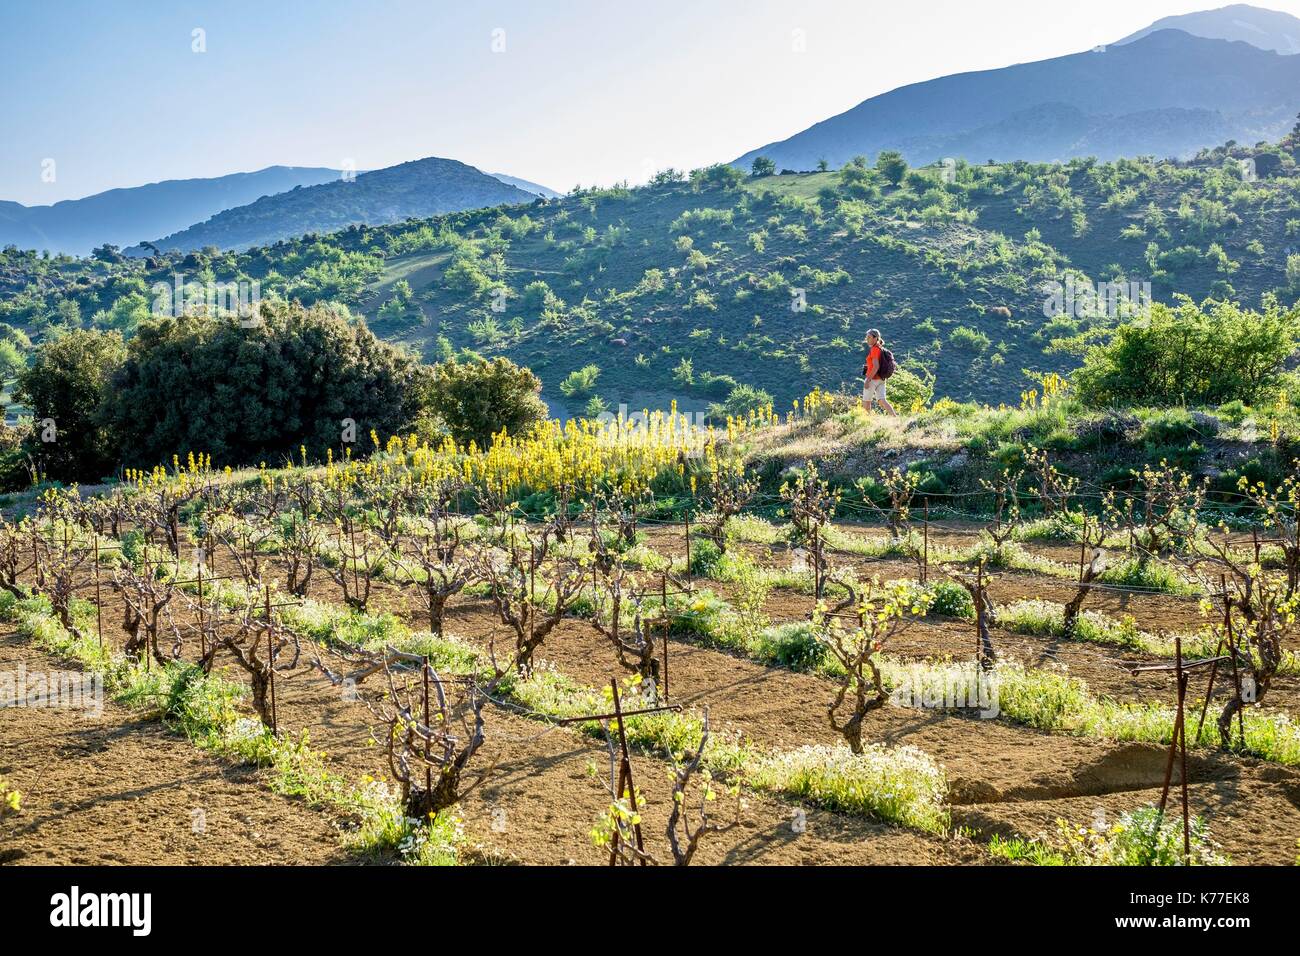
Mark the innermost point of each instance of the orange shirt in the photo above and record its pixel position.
(873, 362)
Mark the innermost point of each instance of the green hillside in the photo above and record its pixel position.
(689, 287)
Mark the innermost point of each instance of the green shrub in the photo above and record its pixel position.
(477, 398)
(793, 645)
(1190, 355)
(1170, 427)
(951, 600)
(743, 399)
(252, 393)
(963, 337)
(908, 391)
(580, 382)
(705, 556)
(70, 381)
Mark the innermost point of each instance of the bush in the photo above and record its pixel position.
(538, 297)
(793, 645)
(951, 600)
(909, 392)
(742, 400)
(477, 398)
(466, 275)
(1172, 427)
(1190, 355)
(973, 340)
(892, 166)
(1142, 837)
(720, 175)
(581, 382)
(705, 556)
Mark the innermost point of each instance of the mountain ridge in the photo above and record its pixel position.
(1260, 27)
(128, 214)
(418, 188)
(1231, 88)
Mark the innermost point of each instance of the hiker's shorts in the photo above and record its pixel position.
(873, 390)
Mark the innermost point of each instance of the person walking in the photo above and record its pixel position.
(878, 367)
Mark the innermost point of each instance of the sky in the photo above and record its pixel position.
(98, 94)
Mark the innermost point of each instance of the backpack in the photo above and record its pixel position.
(885, 367)
(887, 364)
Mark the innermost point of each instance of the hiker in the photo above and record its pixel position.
(878, 367)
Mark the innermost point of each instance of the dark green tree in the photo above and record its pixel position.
(247, 393)
(65, 388)
(1191, 355)
(891, 165)
(478, 398)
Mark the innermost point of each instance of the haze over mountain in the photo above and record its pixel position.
(529, 187)
(1266, 29)
(420, 188)
(1165, 93)
(126, 216)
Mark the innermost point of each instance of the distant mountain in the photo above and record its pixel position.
(421, 188)
(1266, 29)
(1166, 93)
(526, 186)
(126, 216)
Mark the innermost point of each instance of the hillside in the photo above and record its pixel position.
(123, 217)
(686, 289)
(423, 187)
(1167, 93)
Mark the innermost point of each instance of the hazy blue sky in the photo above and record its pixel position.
(583, 92)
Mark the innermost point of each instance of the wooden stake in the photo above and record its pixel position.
(817, 567)
(532, 588)
(428, 767)
(663, 597)
(688, 548)
(203, 633)
(99, 604)
(625, 782)
(270, 663)
(925, 551)
(1182, 746)
(1232, 654)
(1083, 547)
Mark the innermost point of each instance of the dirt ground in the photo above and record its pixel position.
(990, 764)
(543, 786)
(115, 789)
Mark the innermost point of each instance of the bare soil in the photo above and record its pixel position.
(544, 786)
(118, 789)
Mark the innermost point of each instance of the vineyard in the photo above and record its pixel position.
(621, 643)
